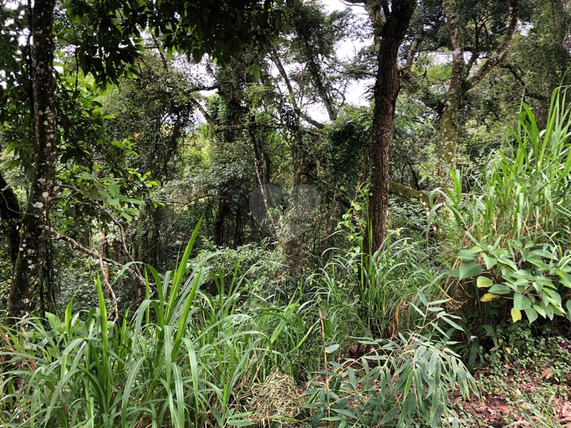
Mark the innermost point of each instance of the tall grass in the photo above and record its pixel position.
(379, 286)
(524, 193)
(183, 358)
(513, 231)
(187, 358)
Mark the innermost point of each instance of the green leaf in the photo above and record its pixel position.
(469, 270)
(500, 289)
(483, 282)
(240, 423)
(531, 314)
(254, 70)
(331, 348)
(470, 254)
(521, 302)
(327, 328)
(489, 261)
(540, 310)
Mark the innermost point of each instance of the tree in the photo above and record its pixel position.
(26, 278)
(390, 23)
(108, 37)
(470, 30)
(461, 81)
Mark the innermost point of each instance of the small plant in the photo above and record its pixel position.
(402, 382)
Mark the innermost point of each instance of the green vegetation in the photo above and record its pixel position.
(275, 214)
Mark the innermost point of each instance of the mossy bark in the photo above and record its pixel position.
(408, 192)
(449, 127)
(25, 281)
(461, 82)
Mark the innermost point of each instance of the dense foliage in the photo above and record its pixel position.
(245, 213)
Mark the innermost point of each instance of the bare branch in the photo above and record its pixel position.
(77, 246)
(277, 61)
(413, 50)
(351, 3)
(517, 76)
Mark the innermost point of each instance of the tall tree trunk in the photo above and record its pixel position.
(27, 269)
(461, 82)
(449, 127)
(387, 87)
(11, 218)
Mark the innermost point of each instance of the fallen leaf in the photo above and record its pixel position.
(566, 410)
(546, 374)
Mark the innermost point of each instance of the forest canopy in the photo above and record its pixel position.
(297, 213)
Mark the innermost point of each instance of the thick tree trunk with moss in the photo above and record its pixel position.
(30, 257)
(461, 82)
(449, 127)
(387, 87)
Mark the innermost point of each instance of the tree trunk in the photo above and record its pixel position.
(387, 87)
(461, 82)
(27, 269)
(449, 127)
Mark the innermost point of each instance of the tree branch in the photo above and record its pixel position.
(500, 53)
(408, 192)
(77, 246)
(516, 74)
(277, 61)
(211, 121)
(454, 25)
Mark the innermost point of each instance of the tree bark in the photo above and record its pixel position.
(25, 281)
(461, 82)
(449, 128)
(387, 87)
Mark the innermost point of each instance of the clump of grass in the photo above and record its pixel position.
(524, 193)
(405, 381)
(378, 288)
(179, 360)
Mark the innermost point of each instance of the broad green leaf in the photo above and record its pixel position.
(500, 289)
(531, 314)
(521, 302)
(541, 311)
(470, 254)
(489, 261)
(483, 282)
(469, 270)
(331, 348)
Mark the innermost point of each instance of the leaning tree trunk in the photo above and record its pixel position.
(25, 281)
(387, 87)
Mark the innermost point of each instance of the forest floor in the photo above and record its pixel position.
(534, 391)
